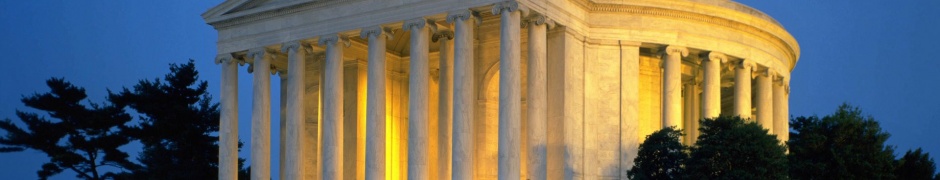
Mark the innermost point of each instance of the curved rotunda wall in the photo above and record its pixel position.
(604, 63)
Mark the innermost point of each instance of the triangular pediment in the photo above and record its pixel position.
(236, 8)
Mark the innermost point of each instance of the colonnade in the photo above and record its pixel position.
(771, 91)
(456, 98)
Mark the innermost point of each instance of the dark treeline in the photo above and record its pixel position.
(843, 145)
(175, 126)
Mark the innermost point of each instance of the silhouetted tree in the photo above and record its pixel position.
(661, 156)
(77, 137)
(730, 148)
(844, 145)
(915, 165)
(176, 125)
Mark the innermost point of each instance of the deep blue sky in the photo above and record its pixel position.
(879, 55)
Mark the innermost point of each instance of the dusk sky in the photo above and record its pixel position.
(876, 54)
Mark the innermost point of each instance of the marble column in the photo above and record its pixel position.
(445, 101)
(510, 89)
(261, 114)
(742, 89)
(418, 99)
(687, 106)
(283, 123)
(672, 85)
(696, 112)
(462, 151)
(711, 84)
(536, 98)
(332, 136)
(781, 116)
(228, 119)
(764, 99)
(296, 63)
(375, 103)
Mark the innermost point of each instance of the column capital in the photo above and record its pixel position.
(293, 45)
(721, 57)
(255, 53)
(332, 39)
(225, 59)
(509, 6)
(538, 19)
(463, 15)
(261, 52)
(744, 63)
(375, 31)
(770, 73)
(672, 50)
(415, 24)
(442, 34)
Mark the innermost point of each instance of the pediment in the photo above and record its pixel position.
(237, 8)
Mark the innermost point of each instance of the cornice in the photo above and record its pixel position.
(786, 44)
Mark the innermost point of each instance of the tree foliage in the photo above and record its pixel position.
(661, 156)
(915, 165)
(843, 145)
(176, 125)
(730, 148)
(77, 137)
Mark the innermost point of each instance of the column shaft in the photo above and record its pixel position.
(510, 93)
(228, 120)
(696, 113)
(375, 105)
(462, 151)
(781, 118)
(418, 100)
(687, 111)
(296, 63)
(261, 115)
(672, 86)
(282, 125)
(332, 126)
(536, 97)
(445, 101)
(765, 112)
(742, 90)
(711, 85)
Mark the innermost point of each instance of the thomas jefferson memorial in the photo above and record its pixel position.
(488, 89)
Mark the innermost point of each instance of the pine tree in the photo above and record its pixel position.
(176, 125)
(77, 137)
(915, 165)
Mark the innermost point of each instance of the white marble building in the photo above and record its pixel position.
(489, 89)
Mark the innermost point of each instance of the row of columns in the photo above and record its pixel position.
(770, 99)
(458, 120)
